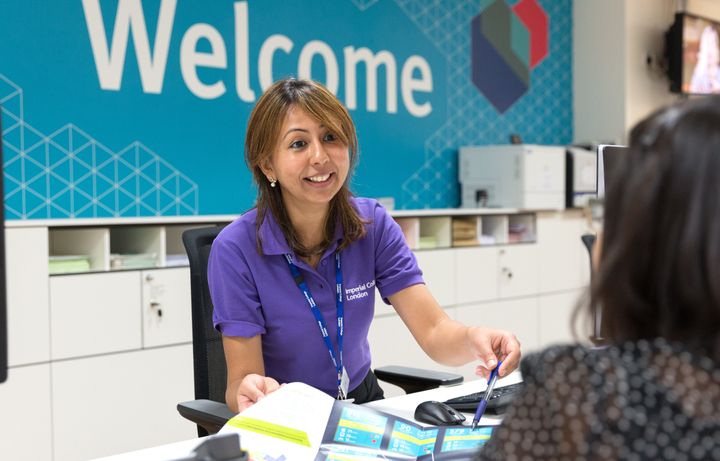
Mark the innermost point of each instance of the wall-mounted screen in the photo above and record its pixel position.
(693, 54)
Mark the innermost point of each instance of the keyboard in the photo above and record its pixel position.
(497, 403)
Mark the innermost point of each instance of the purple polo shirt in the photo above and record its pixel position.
(255, 294)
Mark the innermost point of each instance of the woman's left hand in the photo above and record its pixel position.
(491, 346)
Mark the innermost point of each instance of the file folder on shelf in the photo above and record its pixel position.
(63, 264)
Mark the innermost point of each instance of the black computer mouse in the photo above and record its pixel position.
(438, 414)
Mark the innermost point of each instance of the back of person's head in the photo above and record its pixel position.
(659, 274)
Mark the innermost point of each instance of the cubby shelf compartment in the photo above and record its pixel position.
(175, 254)
(445, 228)
(465, 231)
(92, 244)
(137, 247)
(522, 228)
(494, 230)
(77, 246)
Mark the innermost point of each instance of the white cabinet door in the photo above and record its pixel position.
(518, 265)
(438, 268)
(166, 307)
(556, 312)
(94, 313)
(476, 274)
(391, 343)
(120, 402)
(565, 260)
(25, 424)
(28, 317)
(519, 316)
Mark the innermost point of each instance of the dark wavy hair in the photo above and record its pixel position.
(659, 274)
(263, 135)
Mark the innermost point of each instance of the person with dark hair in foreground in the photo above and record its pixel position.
(654, 392)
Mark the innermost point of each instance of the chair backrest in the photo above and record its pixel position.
(209, 367)
(597, 335)
(588, 241)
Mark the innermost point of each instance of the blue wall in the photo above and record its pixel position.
(82, 139)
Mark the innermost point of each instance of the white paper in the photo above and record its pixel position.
(296, 406)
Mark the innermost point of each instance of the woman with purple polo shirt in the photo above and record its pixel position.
(293, 280)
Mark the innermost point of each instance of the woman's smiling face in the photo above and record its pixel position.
(310, 163)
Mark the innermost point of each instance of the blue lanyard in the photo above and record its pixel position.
(302, 285)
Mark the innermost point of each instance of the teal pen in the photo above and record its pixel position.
(488, 392)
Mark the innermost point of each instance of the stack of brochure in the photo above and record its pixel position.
(520, 233)
(176, 260)
(487, 240)
(428, 241)
(464, 232)
(68, 263)
(298, 422)
(133, 261)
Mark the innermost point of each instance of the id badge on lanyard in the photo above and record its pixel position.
(344, 384)
(343, 381)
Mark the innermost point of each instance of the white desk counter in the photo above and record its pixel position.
(403, 406)
(167, 452)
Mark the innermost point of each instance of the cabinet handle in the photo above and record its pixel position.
(156, 305)
(149, 278)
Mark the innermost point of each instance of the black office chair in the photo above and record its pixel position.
(208, 410)
(597, 337)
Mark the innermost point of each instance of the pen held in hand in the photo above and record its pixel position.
(488, 393)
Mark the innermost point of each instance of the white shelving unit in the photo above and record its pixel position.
(96, 339)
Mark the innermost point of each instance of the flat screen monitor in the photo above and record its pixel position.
(693, 54)
(608, 157)
(3, 309)
(607, 161)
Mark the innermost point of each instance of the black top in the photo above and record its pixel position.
(645, 400)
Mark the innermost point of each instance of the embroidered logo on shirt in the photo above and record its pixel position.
(359, 291)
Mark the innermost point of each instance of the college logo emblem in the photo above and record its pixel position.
(507, 42)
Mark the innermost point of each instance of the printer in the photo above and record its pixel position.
(523, 176)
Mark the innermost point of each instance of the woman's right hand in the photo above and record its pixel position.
(253, 388)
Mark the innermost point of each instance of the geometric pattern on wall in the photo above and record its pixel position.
(542, 116)
(503, 43)
(363, 5)
(69, 174)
